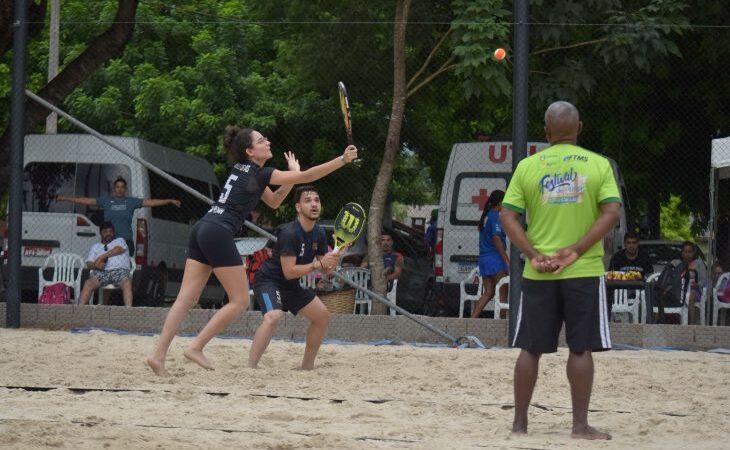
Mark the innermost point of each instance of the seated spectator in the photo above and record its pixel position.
(723, 290)
(109, 263)
(631, 258)
(693, 269)
(393, 261)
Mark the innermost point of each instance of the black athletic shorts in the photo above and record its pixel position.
(213, 244)
(270, 296)
(545, 305)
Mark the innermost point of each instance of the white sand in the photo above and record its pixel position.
(434, 397)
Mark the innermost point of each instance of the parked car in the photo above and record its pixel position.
(662, 253)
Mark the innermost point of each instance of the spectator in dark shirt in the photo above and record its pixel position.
(630, 258)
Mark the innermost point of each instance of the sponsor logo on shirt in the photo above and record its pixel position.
(548, 161)
(301, 252)
(216, 210)
(559, 188)
(578, 158)
(243, 167)
(118, 206)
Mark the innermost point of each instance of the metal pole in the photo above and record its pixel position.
(53, 38)
(519, 139)
(17, 134)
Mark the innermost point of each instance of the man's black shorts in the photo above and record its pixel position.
(270, 296)
(545, 305)
(213, 244)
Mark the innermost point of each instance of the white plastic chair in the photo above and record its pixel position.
(309, 281)
(391, 296)
(499, 306)
(466, 297)
(103, 291)
(717, 305)
(67, 268)
(361, 277)
(623, 303)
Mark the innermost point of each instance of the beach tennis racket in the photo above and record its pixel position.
(346, 116)
(348, 225)
(345, 106)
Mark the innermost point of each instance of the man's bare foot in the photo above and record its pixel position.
(157, 366)
(588, 432)
(198, 358)
(519, 428)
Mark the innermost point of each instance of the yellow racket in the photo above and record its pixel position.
(348, 225)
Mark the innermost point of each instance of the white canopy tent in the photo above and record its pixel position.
(720, 170)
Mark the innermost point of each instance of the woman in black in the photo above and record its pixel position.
(211, 248)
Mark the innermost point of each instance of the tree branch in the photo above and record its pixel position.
(428, 58)
(106, 46)
(565, 47)
(445, 67)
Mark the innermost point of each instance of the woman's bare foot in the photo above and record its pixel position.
(198, 357)
(588, 432)
(157, 366)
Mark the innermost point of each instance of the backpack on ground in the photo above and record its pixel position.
(55, 294)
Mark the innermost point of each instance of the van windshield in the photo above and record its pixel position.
(44, 181)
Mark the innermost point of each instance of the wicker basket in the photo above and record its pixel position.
(338, 302)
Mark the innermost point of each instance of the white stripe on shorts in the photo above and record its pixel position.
(519, 319)
(603, 314)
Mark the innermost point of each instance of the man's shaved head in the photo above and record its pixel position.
(562, 123)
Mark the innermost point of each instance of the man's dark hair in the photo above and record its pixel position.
(689, 244)
(631, 235)
(301, 190)
(120, 178)
(106, 225)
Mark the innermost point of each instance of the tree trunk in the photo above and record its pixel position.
(106, 46)
(392, 146)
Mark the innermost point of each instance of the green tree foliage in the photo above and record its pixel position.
(675, 220)
(648, 83)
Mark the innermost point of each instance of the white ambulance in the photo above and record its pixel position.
(475, 169)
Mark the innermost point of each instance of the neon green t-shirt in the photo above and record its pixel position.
(561, 189)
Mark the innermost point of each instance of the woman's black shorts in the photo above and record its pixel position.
(213, 244)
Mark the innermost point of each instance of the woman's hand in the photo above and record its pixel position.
(350, 154)
(292, 161)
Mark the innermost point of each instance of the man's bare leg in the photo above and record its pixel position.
(580, 376)
(524, 379)
(262, 336)
(319, 319)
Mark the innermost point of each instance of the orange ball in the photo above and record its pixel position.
(499, 54)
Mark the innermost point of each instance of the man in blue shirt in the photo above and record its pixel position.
(119, 209)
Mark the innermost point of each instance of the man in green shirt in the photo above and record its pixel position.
(571, 199)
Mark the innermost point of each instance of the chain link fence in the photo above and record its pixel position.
(168, 102)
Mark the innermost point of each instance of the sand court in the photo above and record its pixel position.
(92, 390)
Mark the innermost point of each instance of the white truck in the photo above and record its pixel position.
(475, 169)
